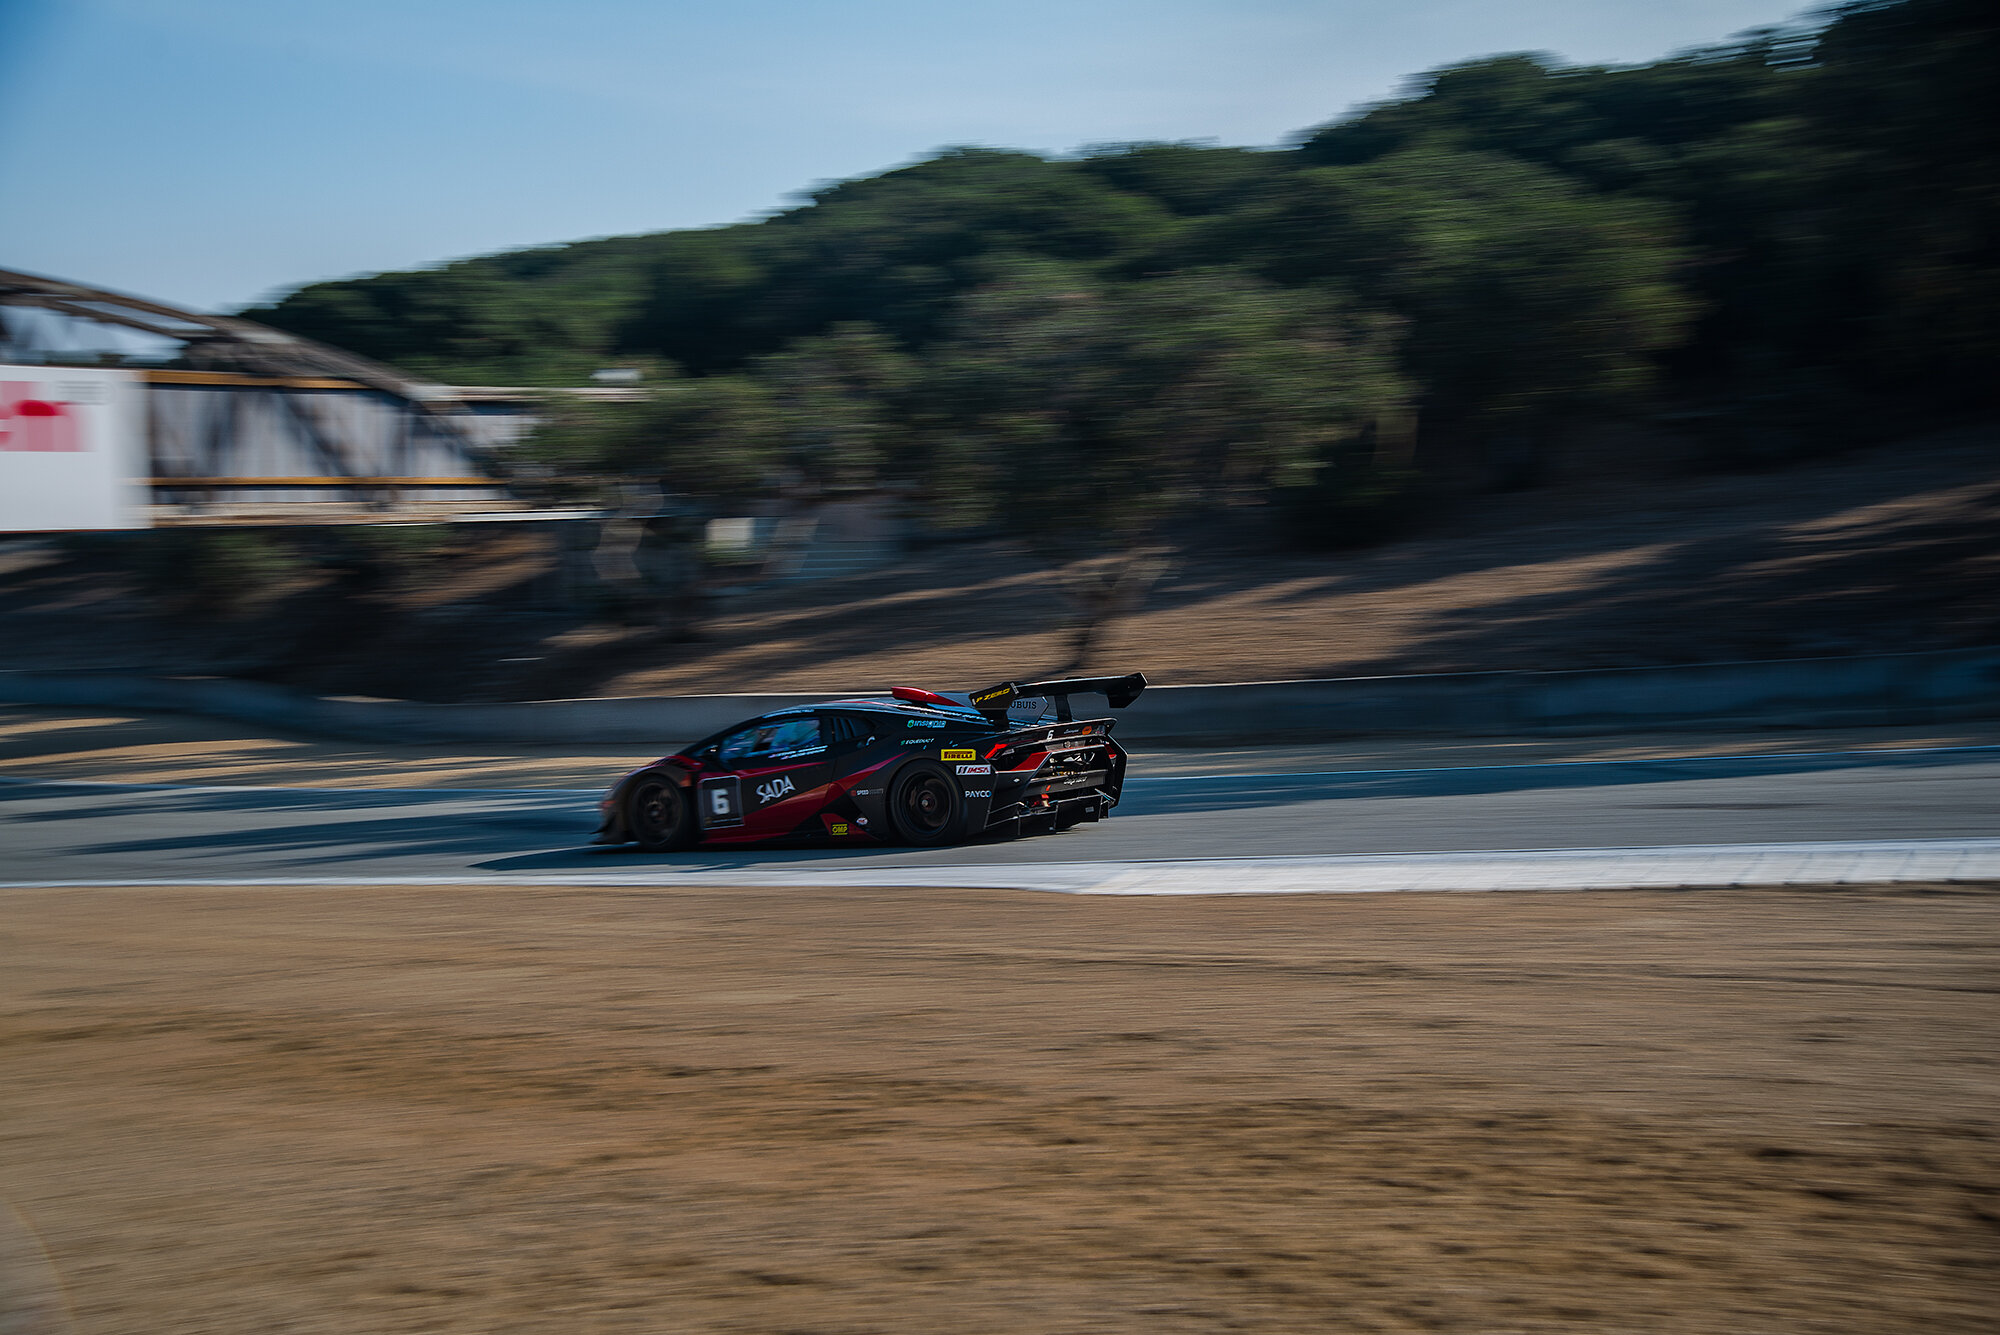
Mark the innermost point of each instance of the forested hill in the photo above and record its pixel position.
(1804, 214)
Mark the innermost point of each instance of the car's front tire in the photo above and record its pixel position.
(925, 805)
(659, 815)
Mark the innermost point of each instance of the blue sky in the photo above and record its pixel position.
(212, 152)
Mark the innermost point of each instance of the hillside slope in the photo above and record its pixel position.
(1892, 549)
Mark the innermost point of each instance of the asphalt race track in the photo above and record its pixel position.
(1920, 813)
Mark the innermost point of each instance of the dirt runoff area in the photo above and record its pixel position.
(472, 1109)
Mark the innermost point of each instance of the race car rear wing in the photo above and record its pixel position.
(1120, 691)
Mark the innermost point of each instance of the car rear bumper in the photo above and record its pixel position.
(1057, 799)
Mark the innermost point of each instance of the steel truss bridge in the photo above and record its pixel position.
(243, 416)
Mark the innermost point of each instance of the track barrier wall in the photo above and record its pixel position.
(1790, 693)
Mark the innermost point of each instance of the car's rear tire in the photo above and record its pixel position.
(659, 815)
(925, 805)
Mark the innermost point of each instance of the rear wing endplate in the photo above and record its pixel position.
(1120, 691)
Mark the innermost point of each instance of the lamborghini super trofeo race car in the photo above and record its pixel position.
(919, 769)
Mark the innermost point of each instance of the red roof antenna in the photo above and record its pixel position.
(917, 697)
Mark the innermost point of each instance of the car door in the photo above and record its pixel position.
(851, 743)
(775, 773)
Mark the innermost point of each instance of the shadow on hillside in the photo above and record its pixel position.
(1702, 567)
(1772, 590)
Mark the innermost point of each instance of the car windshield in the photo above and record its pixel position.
(774, 740)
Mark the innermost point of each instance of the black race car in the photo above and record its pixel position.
(919, 768)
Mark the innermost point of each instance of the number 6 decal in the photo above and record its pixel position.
(723, 802)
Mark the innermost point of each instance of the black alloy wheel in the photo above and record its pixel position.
(924, 804)
(658, 815)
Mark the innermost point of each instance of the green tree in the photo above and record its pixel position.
(1088, 416)
(1810, 214)
(841, 400)
(1528, 298)
(718, 438)
(1188, 180)
(1906, 93)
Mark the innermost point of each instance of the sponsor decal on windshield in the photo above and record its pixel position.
(958, 753)
(770, 792)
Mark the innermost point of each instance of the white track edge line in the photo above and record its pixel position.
(1684, 866)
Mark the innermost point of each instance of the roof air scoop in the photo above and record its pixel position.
(921, 697)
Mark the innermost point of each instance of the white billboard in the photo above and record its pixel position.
(72, 449)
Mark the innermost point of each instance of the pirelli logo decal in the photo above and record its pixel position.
(958, 753)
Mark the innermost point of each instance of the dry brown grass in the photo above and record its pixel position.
(1891, 550)
(845, 1111)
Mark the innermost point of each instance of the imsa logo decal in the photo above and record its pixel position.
(958, 753)
(975, 769)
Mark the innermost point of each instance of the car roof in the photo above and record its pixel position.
(962, 714)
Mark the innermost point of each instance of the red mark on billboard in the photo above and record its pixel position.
(39, 426)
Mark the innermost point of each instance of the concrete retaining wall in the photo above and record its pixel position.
(1792, 693)
(616, 721)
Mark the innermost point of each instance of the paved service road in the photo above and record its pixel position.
(52, 832)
